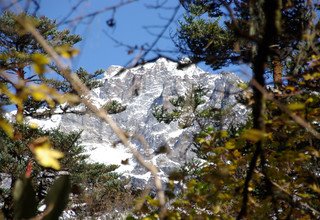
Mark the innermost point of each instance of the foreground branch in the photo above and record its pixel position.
(85, 96)
(271, 9)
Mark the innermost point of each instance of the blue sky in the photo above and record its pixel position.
(97, 50)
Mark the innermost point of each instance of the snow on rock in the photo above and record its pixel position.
(5, 181)
(104, 153)
(51, 123)
(140, 89)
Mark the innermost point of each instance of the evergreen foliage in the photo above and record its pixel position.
(182, 107)
(205, 36)
(29, 155)
(15, 157)
(271, 163)
(19, 51)
(114, 107)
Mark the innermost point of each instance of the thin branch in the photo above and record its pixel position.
(93, 14)
(73, 9)
(157, 5)
(85, 96)
(236, 25)
(144, 54)
(300, 121)
(10, 5)
(263, 50)
(290, 195)
(132, 48)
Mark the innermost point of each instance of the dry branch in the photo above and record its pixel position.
(84, 94)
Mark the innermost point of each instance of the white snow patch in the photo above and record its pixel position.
(46, 124)
(145, 176)
(103, 153)
(42, 208)
(6, 181)
(148, 65)
(176, 133)
(112, 71)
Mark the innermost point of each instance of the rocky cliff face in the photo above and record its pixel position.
(140, 91)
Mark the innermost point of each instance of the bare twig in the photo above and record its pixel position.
(73, 9)
(10, 5)
(93, 14)
(154, 43)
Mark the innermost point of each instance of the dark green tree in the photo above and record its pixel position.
(271, 163)
(19, 51)
(225, 32)
(15, 157)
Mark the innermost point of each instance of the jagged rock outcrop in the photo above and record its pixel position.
(139, 91)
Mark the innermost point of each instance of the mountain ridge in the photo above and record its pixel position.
(140, 91)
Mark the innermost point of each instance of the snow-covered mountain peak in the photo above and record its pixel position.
(138, 92)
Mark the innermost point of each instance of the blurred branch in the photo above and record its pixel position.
(4, 8)
(84, 94)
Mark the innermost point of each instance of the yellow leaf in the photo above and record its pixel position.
(224, 134)
(296, 106)
(33, 125)
(70, 53)
(307, 77)
(216, 209)
(236, 153)
(309, 100)
(290, 88)
(230, 145)
(243, 86)
(19, 117)
(315, 188)
(39, 69)
(40, 58)
(40, 62)
(66, 51)
(71, 98)
(44, 154)
(38, 95)
(7, 128)
(253, 135)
